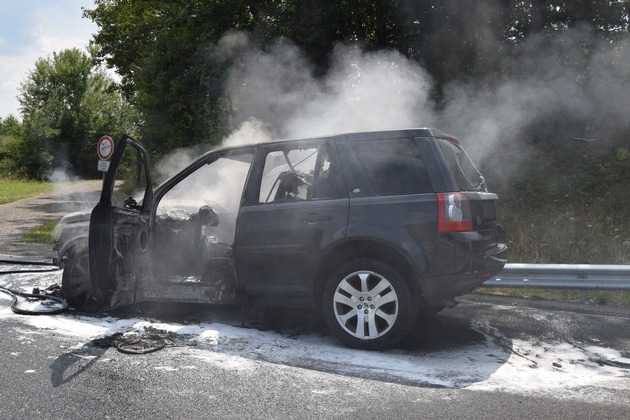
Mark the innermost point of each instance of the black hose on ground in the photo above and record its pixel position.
(49, 301)
(17, 261)
(30, 271)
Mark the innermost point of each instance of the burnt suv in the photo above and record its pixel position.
(369, 229)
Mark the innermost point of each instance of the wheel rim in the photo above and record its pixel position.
(365, 305)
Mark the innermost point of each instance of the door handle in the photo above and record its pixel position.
(312, 219)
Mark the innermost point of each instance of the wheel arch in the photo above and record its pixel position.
(365, 248)
(80, 243)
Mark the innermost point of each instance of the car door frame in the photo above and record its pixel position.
(114, 273)
(206, 159)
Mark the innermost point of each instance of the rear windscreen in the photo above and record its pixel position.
(459, 164)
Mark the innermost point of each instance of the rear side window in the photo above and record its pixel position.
(389, 167)
(459, 164)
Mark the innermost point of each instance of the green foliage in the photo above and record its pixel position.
(623, 154)
(11, 127)
(165, 50)
(171, 70)
(42, 234)
(14, 189)
(10, 144)
(161, 50)
(67, 103)
(573, 206)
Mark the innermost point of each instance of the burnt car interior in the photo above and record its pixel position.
(178, 244)
(195, 223)
(297, 174)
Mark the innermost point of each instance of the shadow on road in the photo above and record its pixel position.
(441, 332)
(72, 363)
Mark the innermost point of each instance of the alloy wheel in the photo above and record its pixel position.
(365, 305)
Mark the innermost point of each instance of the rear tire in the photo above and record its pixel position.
(367, 304)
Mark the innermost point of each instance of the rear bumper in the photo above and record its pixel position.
(492, 261)
(479, 266)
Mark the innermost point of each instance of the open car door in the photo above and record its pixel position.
(120, 227)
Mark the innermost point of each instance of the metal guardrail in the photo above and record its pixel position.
(563, 276)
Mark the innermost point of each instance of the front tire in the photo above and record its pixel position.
(75, 280)
(367, 304)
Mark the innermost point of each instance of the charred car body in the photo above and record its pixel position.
(369, 229)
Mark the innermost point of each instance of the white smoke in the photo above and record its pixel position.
(61, 174)
(251, 131)
(361, 92)
(274, 94)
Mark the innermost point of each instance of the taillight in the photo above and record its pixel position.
(454, 213)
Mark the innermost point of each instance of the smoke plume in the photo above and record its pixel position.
(549, 87)
(362, 91)
(274, 93)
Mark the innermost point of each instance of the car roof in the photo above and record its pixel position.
(382, 134)
(418, 132)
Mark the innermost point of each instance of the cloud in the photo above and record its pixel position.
(51, 26)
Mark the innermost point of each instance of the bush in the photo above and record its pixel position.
(9, 149)
(576, 209)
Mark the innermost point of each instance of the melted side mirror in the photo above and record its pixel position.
(207, 217)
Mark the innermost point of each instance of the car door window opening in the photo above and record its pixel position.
(302, 174)
(195, 224)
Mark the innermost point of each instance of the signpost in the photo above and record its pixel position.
(104, 151)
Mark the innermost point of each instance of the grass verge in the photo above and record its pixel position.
(16, 189)
(598, 297)
(42, 234)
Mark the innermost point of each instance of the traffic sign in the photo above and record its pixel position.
(105, 148)
(103, 165)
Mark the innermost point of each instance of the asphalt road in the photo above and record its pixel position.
(18, 217)
(54, 368)
(485, 358)
(113, 385)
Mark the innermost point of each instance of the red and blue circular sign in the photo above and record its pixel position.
(105, 148)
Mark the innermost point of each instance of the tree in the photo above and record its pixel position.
(10, 141)
(10, 126)
(162, 50)
(165, 52)
(66, 103)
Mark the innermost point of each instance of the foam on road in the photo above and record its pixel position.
(527, 365)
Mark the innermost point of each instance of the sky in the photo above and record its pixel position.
(30, 29)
